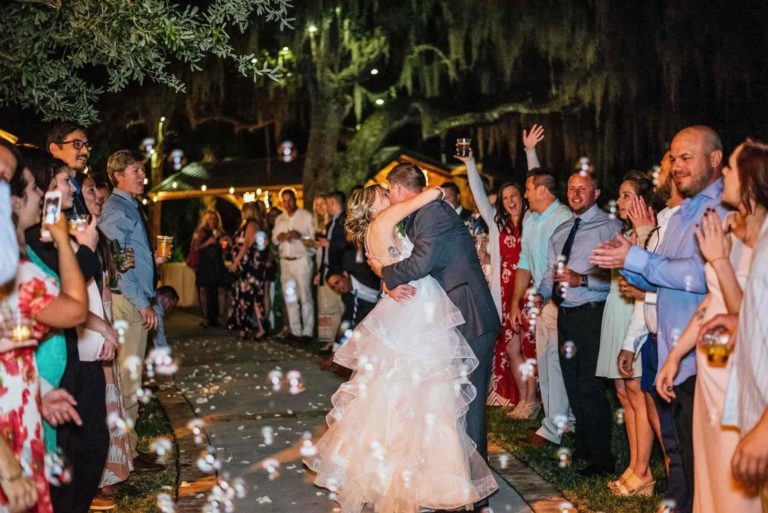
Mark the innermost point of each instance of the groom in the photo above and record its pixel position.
(444, 249)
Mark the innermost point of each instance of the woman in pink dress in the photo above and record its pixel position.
(728, 259)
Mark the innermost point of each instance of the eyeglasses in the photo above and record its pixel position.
(77, 144)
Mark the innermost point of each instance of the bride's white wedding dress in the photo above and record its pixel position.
(396, 438)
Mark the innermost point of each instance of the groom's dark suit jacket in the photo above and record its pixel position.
(443, 248)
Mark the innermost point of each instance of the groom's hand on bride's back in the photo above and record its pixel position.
(401, 292)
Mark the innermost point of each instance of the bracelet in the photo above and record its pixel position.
(442, 192)
(12, 478)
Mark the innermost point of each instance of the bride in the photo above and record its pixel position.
(396, 435)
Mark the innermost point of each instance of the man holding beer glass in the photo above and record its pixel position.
(123, 220)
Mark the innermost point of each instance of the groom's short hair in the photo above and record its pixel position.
(409, 175)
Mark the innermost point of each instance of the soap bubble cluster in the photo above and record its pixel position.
(165, 503)
(196, 426)
(569, 349)
(564, 457)
(619, 416)
(57, 469)
(612, 209)
(307, 448)
(208, 462)
(163, 448)
(289, 293)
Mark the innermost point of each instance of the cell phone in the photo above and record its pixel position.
(51, 211)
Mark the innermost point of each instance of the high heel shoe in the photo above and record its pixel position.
(635, 486)
(616, 483)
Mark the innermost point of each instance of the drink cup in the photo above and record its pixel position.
(462, 146)
(164, 245)
(715, 345)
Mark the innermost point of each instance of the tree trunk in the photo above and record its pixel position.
(326, 114)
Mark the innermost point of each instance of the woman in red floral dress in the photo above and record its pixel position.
(510, 383)
(28, 306)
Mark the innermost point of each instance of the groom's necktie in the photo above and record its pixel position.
(557, 296)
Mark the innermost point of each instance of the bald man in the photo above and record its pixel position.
(676, 273)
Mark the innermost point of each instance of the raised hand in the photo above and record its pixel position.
(534, 137)
(470, 155)
(713, 243)
(640, 214)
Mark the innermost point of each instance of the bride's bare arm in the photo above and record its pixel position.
(395, 213)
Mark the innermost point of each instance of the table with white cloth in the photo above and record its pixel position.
(182, 278)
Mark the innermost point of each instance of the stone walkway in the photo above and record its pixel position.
(227, 384)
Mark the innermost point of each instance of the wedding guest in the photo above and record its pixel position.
(545, 214)
(332, 247)
(18, 492)
(634, 192)
(124, 221)
(357, 285)
(247, 271)
(69, 143)
(728, 257)
(117, 466)
(46, 302)
(210, 273)
(10, 162)
(579, 290)
(676, 273)
(508, 384)
(640, 340)
(453, 197)
(291, 227)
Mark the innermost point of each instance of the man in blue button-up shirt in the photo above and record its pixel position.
(579, 317)
(123, 220)
(676, 273)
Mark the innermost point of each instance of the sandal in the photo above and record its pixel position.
(616, 483)
(635, 486)
(514, 413)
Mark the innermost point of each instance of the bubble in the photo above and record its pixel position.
(296, 385)
(275, 378)
(612, 209)
(561, 423)
(289, 292)
(567, 507)
(117, 423)
(307, 447)
(120, 326)
(133, 365)
(407, 477)
(348, 333)
(144, 395)
(196, 426)
(261, 240)
(569, 349)
(57, 468)
(161, 361)
(268, 434)
(688, 281)
(208, 462)
(668, 506)
(272, 466)
(165, 503)
(528, 369)
(162, 447)
(564, 457)
(504, 461)
(674, 335)
(655, 174)
(619, 416)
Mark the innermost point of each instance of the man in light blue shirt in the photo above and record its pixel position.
(123, 220)
(9, 246)
(579, 289)
(676, 273)
(545, 214)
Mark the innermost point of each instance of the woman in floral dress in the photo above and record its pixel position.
(510, 383)
(248, 276)
(29, 305)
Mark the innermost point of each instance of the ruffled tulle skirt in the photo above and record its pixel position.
(396, 435)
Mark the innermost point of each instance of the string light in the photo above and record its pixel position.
(379, 101)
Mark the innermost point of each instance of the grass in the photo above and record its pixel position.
(139, 493)
(586, 494)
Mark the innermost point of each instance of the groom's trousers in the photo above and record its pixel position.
(477, 429)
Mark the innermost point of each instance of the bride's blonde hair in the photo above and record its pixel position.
(360, 212)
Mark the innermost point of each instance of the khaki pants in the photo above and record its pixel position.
(330, 308)
(298, 300)
(135, 345)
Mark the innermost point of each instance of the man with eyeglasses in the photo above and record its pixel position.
(69, 142)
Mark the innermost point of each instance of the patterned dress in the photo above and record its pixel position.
(247, 286)
(20, 420)
(503, 389)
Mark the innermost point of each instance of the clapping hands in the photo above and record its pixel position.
(713, 242)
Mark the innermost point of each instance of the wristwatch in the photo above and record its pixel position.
(583, 280)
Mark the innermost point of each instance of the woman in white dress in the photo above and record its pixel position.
(396, 435)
